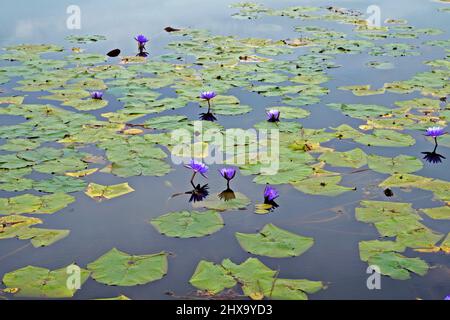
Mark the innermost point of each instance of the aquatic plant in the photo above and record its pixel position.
(228, 174)
(208, 96)
(270, 194)
(273, 115)
(435, 132)
(197, 167)
(97, 95)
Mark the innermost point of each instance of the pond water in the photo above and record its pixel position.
(98, 226)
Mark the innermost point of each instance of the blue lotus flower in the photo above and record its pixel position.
(97, 95)
(434, 132)
(197, 167)
(273, 115)
(270, 194)
(141, 39)
(207, 95)
(228, 173)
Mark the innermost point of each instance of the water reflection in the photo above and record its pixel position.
(227, 195)
(208, 116)
(433, 156)
(198, 193)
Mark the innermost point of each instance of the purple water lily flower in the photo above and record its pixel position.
(97, 95)
(273, 115)
(197, 167)
(141, 39)
(228, 173)
(270, 194)
(207, 95)
(435, 132)
(447, 297)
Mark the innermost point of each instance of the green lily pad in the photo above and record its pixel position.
(117, 268)
(322, 185)
(439, 213)
(28, 203)
(100, 192)
(274, 242)
(211, 277)
(398, 164)
(386, 138)
(370, 248)
(19, 145)
(213, 202)
(188, 224)
(60, 184)
(397, 266)
(84, 39)
(256, 280)
(355, 158)
(42, 283)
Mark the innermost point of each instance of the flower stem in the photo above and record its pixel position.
(193, 176)
(209, 106)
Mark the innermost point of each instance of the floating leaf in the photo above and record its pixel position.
(98, 191)
(117, 268)
(386, 138)
(274, 242)
(42, 283)
(213, 202)
(188, 224)
(59, 184)
(438, 213)
(325, 186)
(256, 279)
(355, 158)
(28, 203)
(399, 164)
(211, 277)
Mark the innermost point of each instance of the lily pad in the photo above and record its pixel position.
(274, 242)
(439, 213)
(355, 158)
(322, 185)
(213, 202)
(100, 192)
(188, 224)
(117, 268)
(42, 283)
(256, 279)
(398, 164)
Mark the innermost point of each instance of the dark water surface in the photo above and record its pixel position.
(122, 222)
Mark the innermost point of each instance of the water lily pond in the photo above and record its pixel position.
(92, 194)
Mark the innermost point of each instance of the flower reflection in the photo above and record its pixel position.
(208, 116)
(227, 195)
(433, 157)
(199, 193)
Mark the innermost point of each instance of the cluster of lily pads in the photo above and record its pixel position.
(135, 141)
